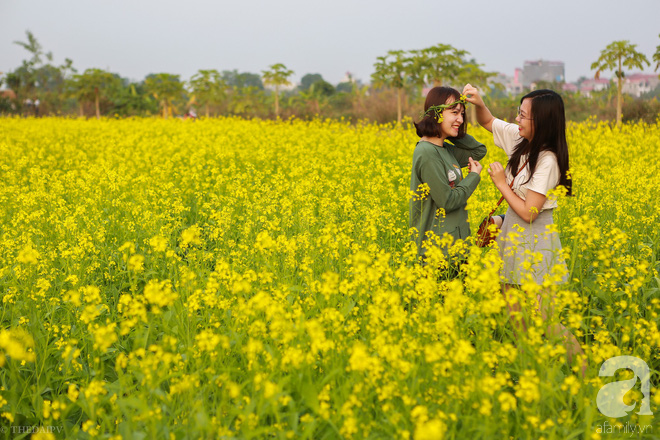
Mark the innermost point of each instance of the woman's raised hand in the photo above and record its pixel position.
(484, 116)
(472, 95)
(474, 166)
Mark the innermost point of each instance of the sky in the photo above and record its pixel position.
(138, 37)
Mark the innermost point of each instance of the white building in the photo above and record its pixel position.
(639, 83)
(594, 85)
(348, 78)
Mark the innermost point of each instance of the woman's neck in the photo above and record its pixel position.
(435, 140)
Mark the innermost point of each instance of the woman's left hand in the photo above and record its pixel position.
(496, 171)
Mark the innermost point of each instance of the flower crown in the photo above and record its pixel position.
(437, 109)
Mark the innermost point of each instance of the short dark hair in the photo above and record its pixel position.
(429, 126)
(549, 121)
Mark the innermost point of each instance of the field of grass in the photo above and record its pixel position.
(232, 278)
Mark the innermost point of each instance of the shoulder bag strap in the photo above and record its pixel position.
(499, 202)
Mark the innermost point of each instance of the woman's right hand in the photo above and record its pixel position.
(472, 95)
(496, 171)
(474, 166)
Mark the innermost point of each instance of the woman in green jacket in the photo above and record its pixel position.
(439, 191)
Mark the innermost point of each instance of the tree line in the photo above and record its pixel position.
(395, 92)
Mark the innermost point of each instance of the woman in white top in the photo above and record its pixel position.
(538, 162)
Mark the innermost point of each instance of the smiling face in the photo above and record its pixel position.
(525, 120)
(452, 119)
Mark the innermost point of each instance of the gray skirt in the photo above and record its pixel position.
(530, 250)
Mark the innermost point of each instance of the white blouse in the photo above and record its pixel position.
(546, 175)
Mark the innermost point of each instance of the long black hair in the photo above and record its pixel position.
(549, 122)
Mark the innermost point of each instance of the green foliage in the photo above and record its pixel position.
(22, 80)
(277, 76)
(33, 46)
(437, 65)
(241, 80)
(395, 92)
(472, 72)
(92, 85)
(344, 87)
(166, 88)
(132, 99)
(207, 88)
(656, 57)
(308, 80)
(392, 70)
(315, 99)
(35, 79)
(644, 110)
(616, 56)
(247, 102)
(322, 88)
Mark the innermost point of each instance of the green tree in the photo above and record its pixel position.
(207, 88)
(345, 87)
(393, 71)
(38, 78)
(131, 99)
(359, 95)
(241, 80)
(33, 46)
(308, 80)
(165, 87)
(440, 64)
(277, 76)
(656, 57)
(318, 95)
(246, 101)
(616, 56)
(23, 80)
(471, 72)
(91, 86)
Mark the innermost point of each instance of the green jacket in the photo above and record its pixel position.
(440, 169)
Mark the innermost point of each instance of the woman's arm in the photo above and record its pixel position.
(443, 195)
(484, 116)
(465, 148)
(527, 209)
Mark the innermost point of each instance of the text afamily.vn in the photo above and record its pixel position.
(628, 428)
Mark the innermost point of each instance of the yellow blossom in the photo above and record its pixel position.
(28, 255)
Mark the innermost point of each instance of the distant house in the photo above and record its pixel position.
(639, 83)
(516, 87)
(541, 70)
(288, 87)
(569, 87)
(7, 94)
(511, 85)
(594, 85)
(348, 78)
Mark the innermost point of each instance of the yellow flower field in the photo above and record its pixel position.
(232, 278)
